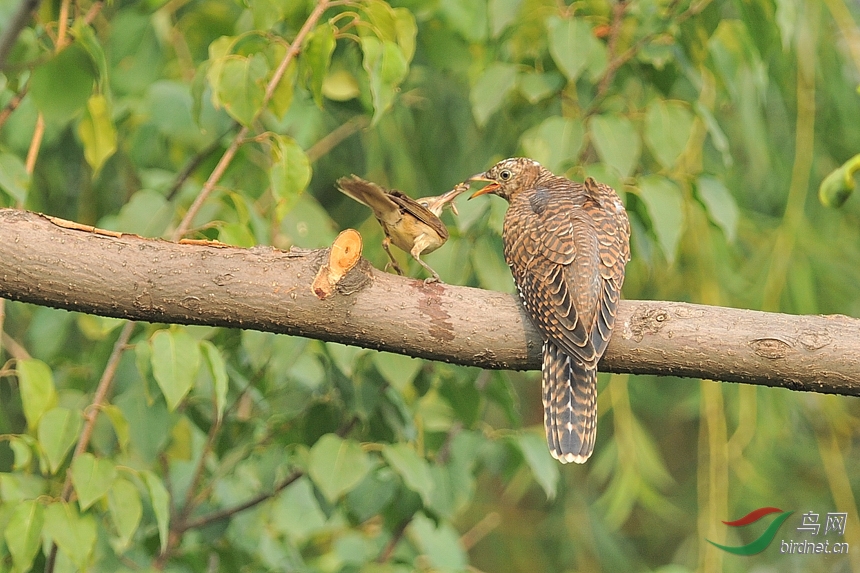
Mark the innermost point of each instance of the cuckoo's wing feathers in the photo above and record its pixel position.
(567, 252)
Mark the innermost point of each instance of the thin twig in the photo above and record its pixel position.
(480, 530)
(16, 23)
(14, 349)
(91, 416)
(19, 96)
(396, 536)
(35, 144)
(225, 513)
(39, 130)
(12, 105)
(193, 164)
(614, 31)
(336, 136)
(228, 156)
(189, 504)
(2, 320)
(615, 63)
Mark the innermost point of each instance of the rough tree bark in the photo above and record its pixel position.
(45, 262)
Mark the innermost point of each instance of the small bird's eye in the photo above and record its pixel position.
(505, 174)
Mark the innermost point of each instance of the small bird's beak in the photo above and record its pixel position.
(493, 185)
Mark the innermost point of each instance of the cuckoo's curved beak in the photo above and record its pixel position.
(492, 186)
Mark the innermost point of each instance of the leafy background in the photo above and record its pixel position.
(236, 450)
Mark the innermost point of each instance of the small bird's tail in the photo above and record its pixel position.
(372, 195)
(570, 405)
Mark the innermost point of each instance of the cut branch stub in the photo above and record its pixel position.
(344, 253)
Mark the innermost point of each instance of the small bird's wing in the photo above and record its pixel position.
(409, 205)
(372, 195)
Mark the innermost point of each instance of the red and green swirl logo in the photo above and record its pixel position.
(764, 539)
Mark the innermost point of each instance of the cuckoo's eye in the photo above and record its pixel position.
(505, 174)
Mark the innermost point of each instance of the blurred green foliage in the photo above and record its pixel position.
(243, 451)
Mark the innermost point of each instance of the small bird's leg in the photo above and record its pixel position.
(416, 254)
(386, 243)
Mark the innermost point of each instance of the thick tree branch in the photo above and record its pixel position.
(126, 276)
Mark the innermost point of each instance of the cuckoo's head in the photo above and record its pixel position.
(509, 176)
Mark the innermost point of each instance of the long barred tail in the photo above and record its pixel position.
(570, 405)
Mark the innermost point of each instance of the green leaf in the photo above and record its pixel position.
(489, 263)
(36, 384)
(14, 178)
(372, 494)
(75, 535)
(160, 500)
(574, 48)
(316, 58)
(307, 224)
(180, 446)
(839, 184)
(218, 371)
(297, 512)
(665, 206)
(337, 465)
(468, 17)
(58, 432)
(387, 67)
(344, 356)
(119, 423)
(62, 85)
(718, 137)
(555, 143)
(502, 14)
(340, 85)
(147, 213)
(616, 141)
(17, 487)
(86, 37)
(175, 361)
(125, 510)
(148, 420)
(22, 449)
(282, 97)
(536, 87)
(406, 30)
(380, 16)
(412, 468)
(92, 477)
(720, 204)
(236, 234)
(668, 125)
(97, 132)
(491, 89)
(544, 467)
(441, 545)
(97, 328)
(397, 369)
(240, 86)
(23, 533)
(290, 172)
